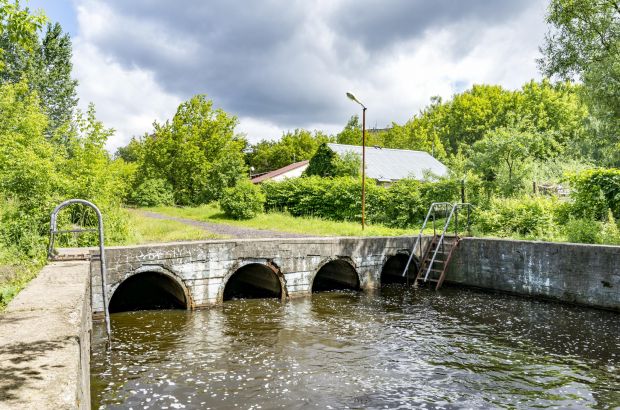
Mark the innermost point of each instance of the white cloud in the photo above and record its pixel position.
(138, 61)
(128, 100)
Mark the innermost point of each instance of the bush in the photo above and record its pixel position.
(594, 192)
(243, 201)
(526, 216)
(610, 234)
(153, 192)
(403, 204)
(582, 231)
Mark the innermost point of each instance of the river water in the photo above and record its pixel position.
(393, 348)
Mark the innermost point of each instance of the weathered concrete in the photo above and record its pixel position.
(582, 274)
(45, 341)
(202, 269)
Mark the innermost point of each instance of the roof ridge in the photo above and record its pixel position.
(381, 148)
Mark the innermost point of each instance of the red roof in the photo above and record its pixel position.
(275, 173)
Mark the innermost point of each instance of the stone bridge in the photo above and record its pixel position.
(197, 274)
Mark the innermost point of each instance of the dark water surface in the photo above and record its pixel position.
(395, 348)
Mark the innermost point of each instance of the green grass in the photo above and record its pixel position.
(279, 221)
(15, 273)
(150, 230)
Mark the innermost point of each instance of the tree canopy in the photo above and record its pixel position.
(583, 43)
(197, 152)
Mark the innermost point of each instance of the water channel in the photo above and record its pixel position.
(393, 348)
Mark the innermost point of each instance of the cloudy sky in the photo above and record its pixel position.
(283, 64)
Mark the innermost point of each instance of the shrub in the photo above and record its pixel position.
(610, 234)
(153, 192)
(243, 201)
(594, 192)
(581, 230)
(526, 216)
(403, 204)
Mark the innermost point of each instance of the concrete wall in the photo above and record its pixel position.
(45, 341)
(582, 274)
(202, 268)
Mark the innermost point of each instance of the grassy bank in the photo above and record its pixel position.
(279, 221)
(150, 230)
(14, 276)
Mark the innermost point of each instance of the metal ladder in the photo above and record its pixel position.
(436, 258)
(432, 212)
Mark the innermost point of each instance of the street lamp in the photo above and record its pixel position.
(352, 98)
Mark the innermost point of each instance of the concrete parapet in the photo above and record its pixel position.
(45, 342)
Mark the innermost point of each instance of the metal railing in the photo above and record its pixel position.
(431, 212)
(454, 212)
(55, 231)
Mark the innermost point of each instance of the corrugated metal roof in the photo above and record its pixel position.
(394, 164)
(279, 171)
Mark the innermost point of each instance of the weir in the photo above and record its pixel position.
(191, 275)
(200, 274)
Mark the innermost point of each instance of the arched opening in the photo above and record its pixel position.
(336, 275)
(253, 281)
(148, 291)
(392, 271)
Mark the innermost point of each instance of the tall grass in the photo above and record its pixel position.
(280, 221)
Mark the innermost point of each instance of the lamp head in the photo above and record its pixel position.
(353, 98)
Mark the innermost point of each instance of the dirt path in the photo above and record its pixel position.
(228, 230)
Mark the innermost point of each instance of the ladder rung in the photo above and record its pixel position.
(75, 230)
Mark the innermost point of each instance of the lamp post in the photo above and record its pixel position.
(352, 97)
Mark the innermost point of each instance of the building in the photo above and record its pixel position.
(387, 165)
(290, 171)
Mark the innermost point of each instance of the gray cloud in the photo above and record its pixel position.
(284, 61)
(380, 24)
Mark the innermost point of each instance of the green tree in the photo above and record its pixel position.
(501, 157)
(53, 82)
(351, 134)
(326, 163)
(584, 42)
(197, 152)
(18, 29)
(130, 152)
(295, 146)
(27, 167)
(46, 65)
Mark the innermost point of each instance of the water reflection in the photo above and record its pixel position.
(397, 347)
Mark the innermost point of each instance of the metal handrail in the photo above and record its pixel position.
(454, 211)
(54, 231)
(431, 210)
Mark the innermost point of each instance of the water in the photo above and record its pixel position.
(395, 348)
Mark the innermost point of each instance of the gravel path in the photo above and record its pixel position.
(228, 230)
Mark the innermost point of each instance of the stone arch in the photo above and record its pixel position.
(392, 271)
(336, 274)
(149, 288)
(253, 280)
